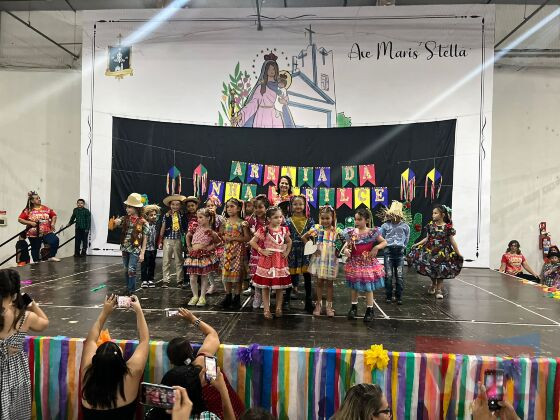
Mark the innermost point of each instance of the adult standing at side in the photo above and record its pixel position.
(40, 221)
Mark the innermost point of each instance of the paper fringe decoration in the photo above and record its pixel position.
(200, 180)
(435, 177)
(408, 185)
(172, 174)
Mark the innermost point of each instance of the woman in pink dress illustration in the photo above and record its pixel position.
(259, 110)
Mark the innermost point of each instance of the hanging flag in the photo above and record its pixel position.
(311, 195)
(200, 180)
(344, 197)
(248, 191)
(296, 190)
(305, 176)
(408, 185)
(436, 181)
(173, 181)
(367, 174)
(233, 189)
(362, 196)
(271, 174)
(272, 193)
(323, 176)
(349, 175)
(380, 196)
(237, 170)
(216, 189)
(254, 173)
(326, 196)
(289, 171)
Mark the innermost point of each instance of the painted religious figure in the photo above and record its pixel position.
(267, 106)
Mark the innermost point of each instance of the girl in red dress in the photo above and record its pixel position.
(273, 272)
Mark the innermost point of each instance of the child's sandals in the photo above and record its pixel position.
(279, 312)
(268, 314)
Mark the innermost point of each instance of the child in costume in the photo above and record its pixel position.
(437, 255)
(201, 259)
(173, 228)
(397, 233)
(364, 272)
(323, 264)
(513, 262)
(82, 217)
(133, 238)
(256, 221)
(235, 233)
(551, 270)
(148, 266)
(213, 203)
(22, 251)
(272, 271)
(299, 223)
(190, 211)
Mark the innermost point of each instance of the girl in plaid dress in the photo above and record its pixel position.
(324, 263)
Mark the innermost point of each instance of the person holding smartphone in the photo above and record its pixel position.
(19, 314)
(110, 383)
(481, 411)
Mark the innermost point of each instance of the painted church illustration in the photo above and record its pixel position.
(312, 93)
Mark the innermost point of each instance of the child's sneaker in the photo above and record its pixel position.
(151, 284)
(330, 310)
(317, 310)
(439, 294)
(201, 301)
(144, 284)
(193, 301)
(211, 290)
(257, 300)
(368, 317)
(432, 290)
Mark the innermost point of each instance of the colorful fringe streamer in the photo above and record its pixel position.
(173, 174)
(408, 185)
(435, 178)
(303, 383)
(200, 180)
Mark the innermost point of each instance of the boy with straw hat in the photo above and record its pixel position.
(396, 232)
(173, 227)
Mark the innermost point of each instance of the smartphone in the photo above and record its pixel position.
(211, 368)
(123, 301)
(156, 395)
(171, 312)
(494, 383)
(27, 299)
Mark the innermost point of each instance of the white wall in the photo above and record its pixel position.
(40, 138)
(525, 179)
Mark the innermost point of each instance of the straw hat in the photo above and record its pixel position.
(167, 200)
(134, 200)
(150, 208)
(395, 212)
(193, 199)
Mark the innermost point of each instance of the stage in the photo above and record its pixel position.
(483, 313)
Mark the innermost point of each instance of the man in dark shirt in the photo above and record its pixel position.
(82, 217)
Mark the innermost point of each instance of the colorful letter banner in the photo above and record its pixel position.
(272, 193)
(289, 171)
(380, 196)
(362, 196)
(326, 196)
(305, 176)
(254, 173)
(216, 189)
(344, 197)
(271, 174)
(248, 191)
(233, 189)
(296, 190)
(237, 170)
(323, 176)
(349, 175)
(367, 174)
(311, 195)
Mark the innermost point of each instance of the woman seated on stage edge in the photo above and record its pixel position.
(110, 383)
(513, 263)
(216, 399)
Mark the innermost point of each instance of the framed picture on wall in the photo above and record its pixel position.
(119, 61)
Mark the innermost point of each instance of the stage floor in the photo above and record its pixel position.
(483, 313)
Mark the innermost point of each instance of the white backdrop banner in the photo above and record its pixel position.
(324, 67)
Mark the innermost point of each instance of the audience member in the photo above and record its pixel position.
(182, 406)
(257, 413)
(16, 319)
(513, 263)
(22, 251)
(109, 383)
(82, 217)
(41, 222)
(551, 270)
(364, 402)
(480, 410)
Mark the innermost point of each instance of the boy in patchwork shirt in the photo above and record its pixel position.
(173, 228)
(551, 271)
(151, 214)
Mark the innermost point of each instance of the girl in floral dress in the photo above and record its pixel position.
(212, 204)
(364, 272)
(235, 233)
(201, 259)
(437, 255)
(256, 221)
(273, 244)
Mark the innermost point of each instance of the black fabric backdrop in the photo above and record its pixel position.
(143, 152)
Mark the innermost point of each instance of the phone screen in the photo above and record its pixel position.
(157, 395)
(170, 312)
(494, 383)
(124, 301)
(211, 368)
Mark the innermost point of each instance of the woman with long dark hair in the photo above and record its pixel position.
(16, 318)
(513, 262)
(110, 383)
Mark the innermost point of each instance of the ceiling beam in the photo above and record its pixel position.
(514, 30)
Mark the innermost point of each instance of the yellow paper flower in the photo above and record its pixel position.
(377, 357)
